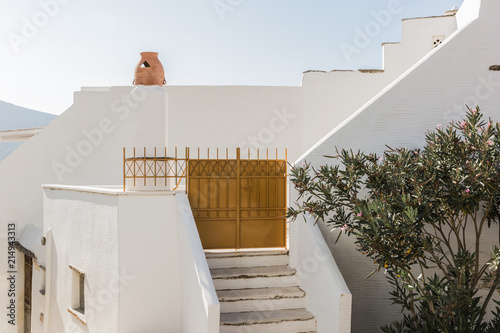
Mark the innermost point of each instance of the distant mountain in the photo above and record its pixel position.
(17, 117)
(8, 147)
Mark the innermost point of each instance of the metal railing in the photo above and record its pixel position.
(155, 167)
(234, 199)
(161, 170)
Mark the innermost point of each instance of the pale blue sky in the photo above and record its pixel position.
(201, 42)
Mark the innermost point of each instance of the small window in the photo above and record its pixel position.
(81, 299)
(78, 290)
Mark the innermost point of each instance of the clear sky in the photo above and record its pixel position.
(50, 48)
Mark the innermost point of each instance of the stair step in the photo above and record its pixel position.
(260, 299)
(232, 254)
(246, 259)
(259, 293)
(290, 321)
(254, 277)
(251, 272)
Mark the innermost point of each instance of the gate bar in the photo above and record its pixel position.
(238, 204)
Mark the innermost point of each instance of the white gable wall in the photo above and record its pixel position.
(416, 41)
(330, 98)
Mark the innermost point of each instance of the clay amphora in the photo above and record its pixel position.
(149, 71)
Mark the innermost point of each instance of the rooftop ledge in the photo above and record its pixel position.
(428, 17)
(108, 190)
(94, 88)
(346, 71)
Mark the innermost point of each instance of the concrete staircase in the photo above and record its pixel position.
(258, 292)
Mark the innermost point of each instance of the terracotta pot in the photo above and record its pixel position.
(149, 71)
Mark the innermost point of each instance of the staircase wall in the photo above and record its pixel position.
(328, 297)
(200, 308)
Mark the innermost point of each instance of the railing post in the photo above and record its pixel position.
(287, 192)
(238, 204)
(176, 161)
(124, 172)
(165, 160)
(144, 166)
(187, 170)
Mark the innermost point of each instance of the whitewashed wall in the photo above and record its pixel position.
(127, 245)
(237, 116)
(30, 166)
(84, 145)
(334, 96)
(200, 304)
(433, 92)
(328, 297)
(84, 234)
(149, 261)
(416, 41)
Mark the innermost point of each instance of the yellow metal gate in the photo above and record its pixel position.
(239, 203)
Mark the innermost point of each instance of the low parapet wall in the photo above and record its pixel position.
(141, 258)
(328, 297)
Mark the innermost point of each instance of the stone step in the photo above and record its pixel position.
(261, 299)
(289, 321)
(246, 259)
(254, 277)
(260, 293)
(251, 272)
(243, 253)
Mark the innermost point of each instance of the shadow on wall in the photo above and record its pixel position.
(54, 317)
(370, 296)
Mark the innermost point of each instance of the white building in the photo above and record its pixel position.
(131, 261)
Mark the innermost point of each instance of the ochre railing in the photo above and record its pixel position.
(155, 168)
(157, 165)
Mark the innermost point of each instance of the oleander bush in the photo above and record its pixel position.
(421, 216)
